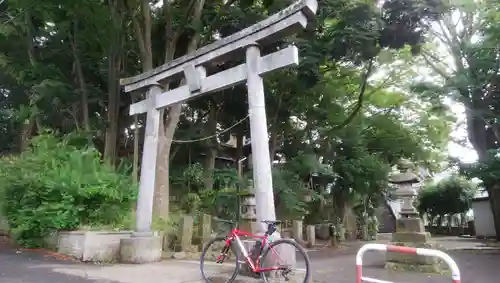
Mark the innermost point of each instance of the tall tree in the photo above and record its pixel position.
(184, 22)
(464, 55)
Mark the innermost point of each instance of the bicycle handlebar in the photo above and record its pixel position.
(271, 224)
(234, 222)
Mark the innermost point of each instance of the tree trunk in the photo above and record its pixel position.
(476, 128)
(239, 152)
(162, 192)
(135, 166)
(165, 137)
(494, 197)
(24, 137)
(29, 122)
(209, 168)
(80, 78)
(211, 152)
(339, 204)
(272, 143)
(111, 135)
(114, 62)
(166, 132)
(275, 129)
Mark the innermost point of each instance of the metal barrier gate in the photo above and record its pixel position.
(455, 272)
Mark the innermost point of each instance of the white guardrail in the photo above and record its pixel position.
(455, 272)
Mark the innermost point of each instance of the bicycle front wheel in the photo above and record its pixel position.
(289, 258)
(219, 263)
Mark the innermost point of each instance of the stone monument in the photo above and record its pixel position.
(248, 210)
(145, 245)
(410, 229)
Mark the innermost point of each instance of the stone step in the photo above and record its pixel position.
(384, 236)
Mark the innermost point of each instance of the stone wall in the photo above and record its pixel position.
(484, 223)
(98, 246)
(448, 231)
(387, 221)
(71, 243)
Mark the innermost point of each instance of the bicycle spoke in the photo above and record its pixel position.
(290, 260)
(218, 263)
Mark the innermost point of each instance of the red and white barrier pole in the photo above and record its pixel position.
(455, 272)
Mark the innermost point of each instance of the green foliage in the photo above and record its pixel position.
(402, 24)
(372, 227)
(221, 203)
(189, 178)
(59, 186)
(290, 192)
(332, 121)
(193, 198)
(7, 130)
(488, 171)
(449, 196)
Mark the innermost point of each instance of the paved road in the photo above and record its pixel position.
(338, 267)
(31, 267)
(476, 266)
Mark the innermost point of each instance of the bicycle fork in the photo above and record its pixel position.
(223, 254)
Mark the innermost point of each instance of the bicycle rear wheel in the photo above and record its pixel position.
(219, 263)
(292, 272)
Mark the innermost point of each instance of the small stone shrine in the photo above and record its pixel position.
(410, 230)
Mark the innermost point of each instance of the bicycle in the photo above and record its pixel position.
(232, 245)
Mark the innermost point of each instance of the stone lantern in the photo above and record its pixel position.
(248, 209)
(406, 183)
(410, 230)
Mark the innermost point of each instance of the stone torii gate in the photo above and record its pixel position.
(144, 245)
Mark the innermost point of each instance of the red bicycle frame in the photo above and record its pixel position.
(234, 235)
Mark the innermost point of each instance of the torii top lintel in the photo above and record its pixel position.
(287, 21)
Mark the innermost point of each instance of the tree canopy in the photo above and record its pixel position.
(337, 123)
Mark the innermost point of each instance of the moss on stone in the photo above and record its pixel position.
(424, 268)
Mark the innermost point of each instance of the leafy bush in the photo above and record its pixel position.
(191, 178)
(58, 185)
(450, 196)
